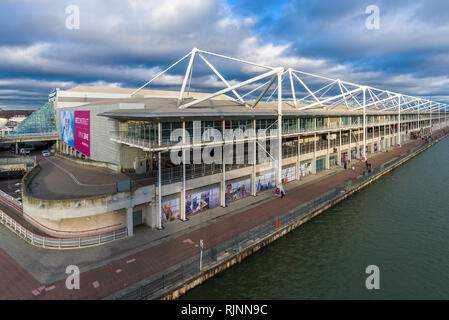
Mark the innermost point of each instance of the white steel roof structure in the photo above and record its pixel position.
(308, 91)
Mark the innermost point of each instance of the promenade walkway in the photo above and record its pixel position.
(175, 246)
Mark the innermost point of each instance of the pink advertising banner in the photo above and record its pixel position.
(82, 132)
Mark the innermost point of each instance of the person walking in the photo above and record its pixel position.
(281, 189)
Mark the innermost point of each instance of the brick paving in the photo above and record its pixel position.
(116, 275)
(15, 281)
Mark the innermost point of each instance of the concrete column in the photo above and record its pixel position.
(279, 156)
(129, 221)
(254, 173)
(339, 153)
(223, 172)
(399, 122)
(357, 143)
(328, 151)
(183, 188)
(350, 146)
(159, 173)
(364, 126)
(314, 155)
(298, 160)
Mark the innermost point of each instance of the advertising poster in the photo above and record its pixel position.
(305, 169)
(237, 190)
(288, 174)
(68, 128)
(265, 181)
(200, 201)
(82, 132)
(170, 209)
(75, 130)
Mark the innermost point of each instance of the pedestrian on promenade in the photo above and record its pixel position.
(281, 189)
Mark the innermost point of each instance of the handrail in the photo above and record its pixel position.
(59, 242)
(13, 136)
(56, 242)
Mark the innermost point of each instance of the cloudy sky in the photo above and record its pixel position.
(126, 42)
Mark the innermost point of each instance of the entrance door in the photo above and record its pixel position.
(137, 218)
(320, 165)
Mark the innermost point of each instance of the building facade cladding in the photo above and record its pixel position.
(102, 149)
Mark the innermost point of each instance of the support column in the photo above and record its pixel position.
(314, 155)
(419, 125)
(159, 178)
(431, 118)
(183, 188)
(350, 147)
(129, 221)
(328, 151)
(364, 125)
(223, 170)
(399, 122)
(298, 160)
(279, 169)
(254, 175)
(339, 153)
(358, 144)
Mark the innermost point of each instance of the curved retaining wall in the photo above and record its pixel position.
(83, 216)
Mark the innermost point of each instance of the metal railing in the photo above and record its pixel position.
(14, 136)
(28, 160)
(212, 257)
(10, 199)
(54, 242)
(59, 243)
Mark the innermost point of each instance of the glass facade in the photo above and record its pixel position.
(289, 125)
(306, 124)
(320, 123)
(40, 121)
(266, 124)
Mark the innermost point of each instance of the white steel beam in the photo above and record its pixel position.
(241, 84)
(221, 77)
(186, 76)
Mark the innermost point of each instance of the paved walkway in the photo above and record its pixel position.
(133, 266)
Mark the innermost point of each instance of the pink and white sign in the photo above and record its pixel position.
(82, 132)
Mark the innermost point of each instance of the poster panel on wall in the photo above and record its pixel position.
(288, 174)
(237, 190)
(170, 209)
(265, 181)
(68, 128)
(82, 132)
(305, 169)
(200, 201)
